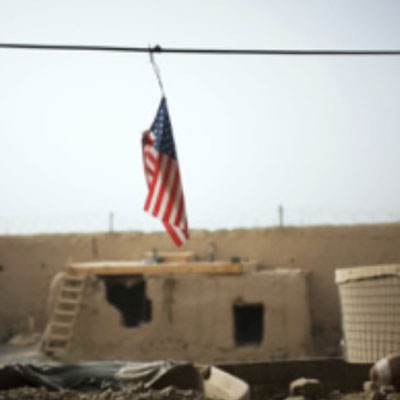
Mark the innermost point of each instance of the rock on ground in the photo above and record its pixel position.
(308, 388)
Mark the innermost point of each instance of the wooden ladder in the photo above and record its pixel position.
(60, 329)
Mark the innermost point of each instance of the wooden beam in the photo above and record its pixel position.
(142, 268)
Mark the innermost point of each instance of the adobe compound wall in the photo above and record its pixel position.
(27, 264)
(193, 318)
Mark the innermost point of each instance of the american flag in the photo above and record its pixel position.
(165, 195)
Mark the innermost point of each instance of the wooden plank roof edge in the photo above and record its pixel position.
(128, 268)
(131, 263)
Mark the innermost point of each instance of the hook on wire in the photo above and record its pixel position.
(156, 68)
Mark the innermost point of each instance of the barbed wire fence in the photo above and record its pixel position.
(119, 221)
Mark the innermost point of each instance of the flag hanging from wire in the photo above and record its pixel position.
(165, 195)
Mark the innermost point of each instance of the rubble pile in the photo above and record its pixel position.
(126, 393)
(384, 392)
(103, 380)
(312, 389)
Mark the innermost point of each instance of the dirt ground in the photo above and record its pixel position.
(134, 393)
(30, 354)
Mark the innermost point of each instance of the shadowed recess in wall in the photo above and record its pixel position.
(127, 293)
(248, 323)
(168, 288)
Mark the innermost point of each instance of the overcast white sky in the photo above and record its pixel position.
(319, 135)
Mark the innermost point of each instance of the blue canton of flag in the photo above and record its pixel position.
(164, 142)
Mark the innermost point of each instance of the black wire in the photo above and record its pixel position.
(159, 49)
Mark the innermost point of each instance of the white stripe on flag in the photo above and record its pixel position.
(180, 234)
(168, 193)
(156, 190)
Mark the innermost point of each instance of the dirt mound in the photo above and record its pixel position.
(131, 393)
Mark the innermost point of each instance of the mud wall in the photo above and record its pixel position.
(28, 263)
(194, 317)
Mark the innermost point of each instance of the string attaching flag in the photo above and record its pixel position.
(157, 72)
(165, 198)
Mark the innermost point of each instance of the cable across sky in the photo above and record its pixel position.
(172, 50)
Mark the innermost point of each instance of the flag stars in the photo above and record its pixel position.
(163, 134)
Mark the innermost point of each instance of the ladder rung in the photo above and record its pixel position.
(73, 282)
(73, 289)
(69, 301)
(73, 285)
(59, 337)
(65, 325)
(61, 330)
(65, 313)
(63, 318)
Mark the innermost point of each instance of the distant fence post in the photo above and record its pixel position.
(281, 215)
(111, 222)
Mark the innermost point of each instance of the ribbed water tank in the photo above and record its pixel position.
(370, 307)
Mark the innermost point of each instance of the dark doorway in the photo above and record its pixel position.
(248, 323)
(128, 294)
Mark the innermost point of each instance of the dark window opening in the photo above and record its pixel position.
(127, 293)
(248, 323)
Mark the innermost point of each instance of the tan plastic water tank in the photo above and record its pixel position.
(370, 305)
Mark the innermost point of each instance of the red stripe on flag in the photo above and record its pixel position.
(170, 229)
(164, 181)
(178, 217)
(153, 184)
(150, 156)
(149, 170)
